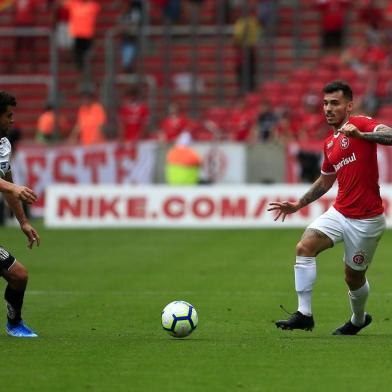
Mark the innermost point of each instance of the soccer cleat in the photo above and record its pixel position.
(296, 321)
(20, 331)
(350, 329)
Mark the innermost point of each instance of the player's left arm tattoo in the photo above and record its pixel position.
(383, 135)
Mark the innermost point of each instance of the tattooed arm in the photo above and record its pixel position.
(321, 186)
(382, 135)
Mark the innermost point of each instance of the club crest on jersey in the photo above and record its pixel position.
(344, 142)
(359, 258)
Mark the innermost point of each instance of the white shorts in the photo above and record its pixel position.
(360, 236)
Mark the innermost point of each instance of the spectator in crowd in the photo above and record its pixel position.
(90, 121)
(312, 122)
(333, 15)
(174, 124)
(133, 15)
(265, 123)
(246, 36)
(286, 129)
(388, 21)
(171, 9)
(25, 12)
(354, 57)
(372, 17)
(183, 162)
(134, 116)
(83, 16)
(46, 126)
(267, 14)
(192, 11)
(240, 122)
(60, 15)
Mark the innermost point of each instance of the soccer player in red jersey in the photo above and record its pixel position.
(356, 217)
(12, 270)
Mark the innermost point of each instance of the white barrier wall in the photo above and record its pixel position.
(115, 163)
(239, 206)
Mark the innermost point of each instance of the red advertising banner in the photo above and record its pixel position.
(109, 163)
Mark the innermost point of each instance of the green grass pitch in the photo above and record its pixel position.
(95, 298)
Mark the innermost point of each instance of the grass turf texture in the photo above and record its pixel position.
(95, 298)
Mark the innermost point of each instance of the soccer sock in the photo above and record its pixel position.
(358, 300)
(14, 299)
(305, 276)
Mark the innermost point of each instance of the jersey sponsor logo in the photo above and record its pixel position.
(359, 258)
(330, 144)
(344, 142)
(345, 161)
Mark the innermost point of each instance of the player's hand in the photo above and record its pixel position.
(350, 130)
(31, 234)
(24, 194)
(283, 208)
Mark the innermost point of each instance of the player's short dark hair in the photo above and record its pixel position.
(5, 101)
(339, 85)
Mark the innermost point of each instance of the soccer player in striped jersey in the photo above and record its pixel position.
(11, 269)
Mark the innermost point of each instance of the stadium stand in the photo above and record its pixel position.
(289, 70)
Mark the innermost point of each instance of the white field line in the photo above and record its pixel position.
(160, 293)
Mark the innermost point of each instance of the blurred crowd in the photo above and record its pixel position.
(274, 110)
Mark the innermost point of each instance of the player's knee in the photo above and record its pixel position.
(351, 281)
(19, 277)
(305, 249)
(355, 280)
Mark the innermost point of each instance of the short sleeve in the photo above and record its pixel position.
(364, 123)
(326, 167)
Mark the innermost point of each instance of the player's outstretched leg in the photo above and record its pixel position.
(350, 329)
(16, 277)
(296, 321)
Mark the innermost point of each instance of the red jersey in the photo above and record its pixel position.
(240, 124)
(25, 12)
(134, 117)
(354, 161)
(173, 126)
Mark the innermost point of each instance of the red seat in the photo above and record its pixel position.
(295, 87)
(201, 133)
(348, 75)
(217, 115)
(301, 75)
(253, 100)
(271, 87)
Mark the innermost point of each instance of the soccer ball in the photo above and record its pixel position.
(179, 318)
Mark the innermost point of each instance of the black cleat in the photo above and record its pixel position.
(350, 329)
(297, 321)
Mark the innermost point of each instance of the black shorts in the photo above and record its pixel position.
(6, 259)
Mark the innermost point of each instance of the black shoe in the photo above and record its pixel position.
(350, 329)
(297, 321)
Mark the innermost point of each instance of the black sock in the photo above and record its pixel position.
(14, 300)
